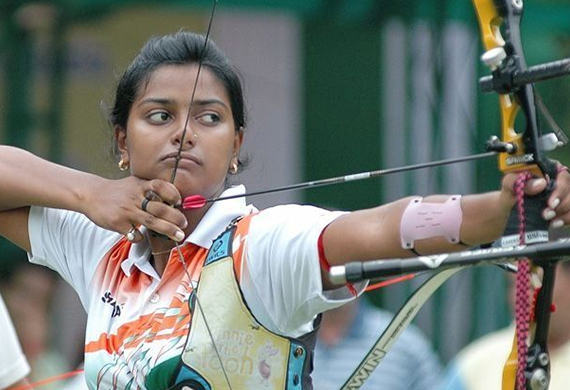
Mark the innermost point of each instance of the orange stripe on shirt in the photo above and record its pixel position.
(174, 284)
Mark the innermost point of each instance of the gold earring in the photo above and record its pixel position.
(233, 168)
(123, 166)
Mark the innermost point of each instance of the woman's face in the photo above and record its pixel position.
(151, 141)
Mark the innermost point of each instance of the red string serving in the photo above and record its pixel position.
(522, 303)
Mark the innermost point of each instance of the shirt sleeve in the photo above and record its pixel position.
(70, 244)
(13, 363)
(281, 277)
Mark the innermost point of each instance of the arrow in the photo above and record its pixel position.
(198, 201)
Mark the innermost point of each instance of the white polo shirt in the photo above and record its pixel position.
(138, 320)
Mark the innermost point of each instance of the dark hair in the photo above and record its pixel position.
(180, 48)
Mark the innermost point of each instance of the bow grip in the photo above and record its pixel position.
(535, 226)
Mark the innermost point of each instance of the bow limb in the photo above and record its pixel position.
(396, 327)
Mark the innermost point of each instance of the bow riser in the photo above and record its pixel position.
(504, 55)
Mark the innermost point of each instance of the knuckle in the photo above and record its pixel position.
(149, 220)
(165, 191)
(157, 186)
(181, 221)
(115, 221)
(161, 211)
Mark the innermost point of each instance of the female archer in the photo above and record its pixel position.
(222, 296)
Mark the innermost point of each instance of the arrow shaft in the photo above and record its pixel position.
(359, 176)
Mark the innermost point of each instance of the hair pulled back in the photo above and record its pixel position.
(180, 48)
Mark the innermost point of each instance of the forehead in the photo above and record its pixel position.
(177, 81)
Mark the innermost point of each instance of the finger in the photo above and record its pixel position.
(161, 226)
(144, 204)
(558, 223)
(557, 207)
(560, 197)
(535, 186)
(165, 212)
(164, 191)
(134, 235)
(151, 195)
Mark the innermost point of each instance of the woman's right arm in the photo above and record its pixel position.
(112, 204)
(29, 180)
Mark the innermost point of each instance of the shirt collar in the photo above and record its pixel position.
(216, 219)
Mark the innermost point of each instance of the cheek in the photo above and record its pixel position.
(141, 141)
(222, 147)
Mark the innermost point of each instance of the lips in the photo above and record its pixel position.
(183, 157)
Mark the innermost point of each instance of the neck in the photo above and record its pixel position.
(161, 247)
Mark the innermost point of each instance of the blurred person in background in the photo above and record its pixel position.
(28, 292)
(13, 364)
(347, 333)
(479, 366)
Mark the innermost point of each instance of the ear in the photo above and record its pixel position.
(121, 138)
(238, 140)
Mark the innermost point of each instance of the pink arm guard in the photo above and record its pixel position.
(427, 220)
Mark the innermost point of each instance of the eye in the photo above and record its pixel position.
(209, 118)
(159, 117)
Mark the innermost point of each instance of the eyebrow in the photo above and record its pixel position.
(156, 100)
(207, 102)
(165, 101)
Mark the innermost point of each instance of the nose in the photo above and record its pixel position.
(185, 135)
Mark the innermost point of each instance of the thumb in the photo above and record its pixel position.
(535, 186)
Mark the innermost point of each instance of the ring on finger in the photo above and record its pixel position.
(131, 235)
(144, 204)
(151, 195)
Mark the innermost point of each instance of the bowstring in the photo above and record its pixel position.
(199, 306)
(189, 112)
(173, 177)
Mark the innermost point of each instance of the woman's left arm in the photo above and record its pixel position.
(376, 233)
